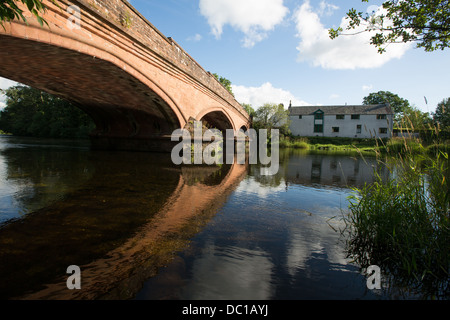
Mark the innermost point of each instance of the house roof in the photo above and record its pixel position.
(334, 110)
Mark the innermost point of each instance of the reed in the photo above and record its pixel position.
(402, 224)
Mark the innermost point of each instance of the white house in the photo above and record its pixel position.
(360, 121)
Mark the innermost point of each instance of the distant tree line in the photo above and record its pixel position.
(33, 113)
(410, 117)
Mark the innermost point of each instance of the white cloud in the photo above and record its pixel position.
(326, 9)
(345, 52)
(367, 87)
(196, 38)
(335, 96)
(255, 18)
(5, 84)
(266, 93)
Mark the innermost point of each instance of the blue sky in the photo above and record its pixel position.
(278, 51)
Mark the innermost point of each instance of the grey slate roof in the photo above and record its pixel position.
(334, 110)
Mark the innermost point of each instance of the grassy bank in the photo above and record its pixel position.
(365, 146)
(330, 144)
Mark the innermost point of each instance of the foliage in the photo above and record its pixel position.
(247, 107)
(272, 116)
(30, 112)
(398, 105)
(225, 82)
(405, 115)
(286, 142)
(442, 114)
(402, 224)
(10, 11)
(422, 21)
(415, 119)
(126, 20)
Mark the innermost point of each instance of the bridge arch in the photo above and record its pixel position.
(121, 100)
(244, 128)
(216, 118)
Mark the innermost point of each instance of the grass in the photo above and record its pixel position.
(406, 146)
(295, 144)
(402, 225)
(344, 145)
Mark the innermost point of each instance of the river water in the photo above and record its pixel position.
(140, 227)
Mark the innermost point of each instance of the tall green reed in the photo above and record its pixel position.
(402, 224)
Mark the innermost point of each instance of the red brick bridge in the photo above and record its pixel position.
(105, 57)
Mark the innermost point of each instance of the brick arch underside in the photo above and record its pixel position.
(120, 105)
(217, 120)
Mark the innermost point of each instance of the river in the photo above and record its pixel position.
(140, 227)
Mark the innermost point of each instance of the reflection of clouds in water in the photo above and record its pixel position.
(230, 273)
(249, 185)
(307, 210)
(7, 191)
(306, 240)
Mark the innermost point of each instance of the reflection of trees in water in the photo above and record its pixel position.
(43, 175)
(125, 192)
(207, 175)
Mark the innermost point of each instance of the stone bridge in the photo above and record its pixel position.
(105, 57)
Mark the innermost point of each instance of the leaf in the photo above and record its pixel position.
(30, 4)
(40, 20)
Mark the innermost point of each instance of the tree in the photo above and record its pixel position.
(415, 119)
(399, 105)
(248, 107)
(10, 11)
(442, 114)
(225, 82)
(31, 112)
(425, 22)
(272, 116)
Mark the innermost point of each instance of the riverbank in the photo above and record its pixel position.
(365, 146)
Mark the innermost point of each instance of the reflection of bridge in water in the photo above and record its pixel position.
(119, 240)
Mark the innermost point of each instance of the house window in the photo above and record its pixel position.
(355, 116)
(340, 117)
(318, 128)
(358, 128)
(381, 117)
(335, 129)
(318, 116)
(300, 117)
(383, 130)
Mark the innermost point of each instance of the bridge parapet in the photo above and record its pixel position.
(124, 15)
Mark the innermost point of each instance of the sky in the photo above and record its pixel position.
(278, 51)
